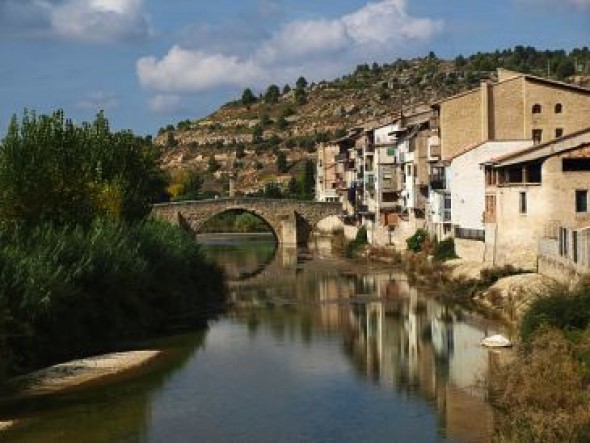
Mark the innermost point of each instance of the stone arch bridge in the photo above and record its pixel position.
(291, 220)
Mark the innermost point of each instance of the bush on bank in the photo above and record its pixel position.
(80, 266)
(544, 392)
(68, 291)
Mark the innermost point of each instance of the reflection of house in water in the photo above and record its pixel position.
(414, 344)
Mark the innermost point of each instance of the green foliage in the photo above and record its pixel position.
(301, 83)
(247, 222)
(445, 249)
(212, 164)
(52, 170)
(286, 89)
(69, 290)
(248, 97)
(257, 133)
(282, 165)
(272, 94)
(358, 243)
(561, 308)
(300, 96)
(282, 123)
(192, 185)
(416, 242)
(240, 151)
(541, 394)
(307, 191)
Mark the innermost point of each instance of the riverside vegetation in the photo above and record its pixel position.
(543, 393)
(81, 265)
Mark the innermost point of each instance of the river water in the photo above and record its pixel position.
(315, 349)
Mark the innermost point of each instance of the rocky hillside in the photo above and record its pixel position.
(246, 136)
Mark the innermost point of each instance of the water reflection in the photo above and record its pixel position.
(392, 334)
(314, 350)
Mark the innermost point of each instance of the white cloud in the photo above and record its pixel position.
(165, 103)
(98, 100)
(321, 46)
(186, 70)
(100, 20)
(87, 20)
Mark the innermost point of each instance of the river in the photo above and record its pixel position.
(315, 349)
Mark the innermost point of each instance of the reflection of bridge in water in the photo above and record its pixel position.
(280, 266)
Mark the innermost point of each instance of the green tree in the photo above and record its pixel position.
(240, 151)
(272, 94)
(248, 97)
(282, 123)
(282, 162)
(286, 89)
(301, 83)
(300, 96)
(212, 164)
(257, 133)
(308, 181)
(192, 186)
(564, 69)
(292, 188)
(272, 190)
(52, 170)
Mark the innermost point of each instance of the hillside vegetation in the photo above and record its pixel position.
(247, 135)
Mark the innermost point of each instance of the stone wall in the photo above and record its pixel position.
(291, 220)
(558, 269)
(470, 250)
(460, 120)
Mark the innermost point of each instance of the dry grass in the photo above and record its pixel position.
(543, 394)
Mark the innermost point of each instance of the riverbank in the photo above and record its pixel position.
(72, 375)
(504, 292)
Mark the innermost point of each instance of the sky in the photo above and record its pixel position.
(150, 63)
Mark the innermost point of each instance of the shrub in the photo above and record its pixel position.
(445, 249)
(69, 291)
(416, 241)
(543, 392)
(359, 242)
(560, 308)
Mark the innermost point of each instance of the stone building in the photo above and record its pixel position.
(327, 176)
(492, 120)
(537, 205)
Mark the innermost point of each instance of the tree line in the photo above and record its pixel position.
(81, 264)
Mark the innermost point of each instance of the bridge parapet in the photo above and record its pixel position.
(291, 220)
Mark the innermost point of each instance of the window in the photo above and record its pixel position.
(581, 200)
(522, 203)
(558, 108)
(536, 108)
(575, 246)
(575, 164)
(563, 242)
(558, 132)
(537, 136)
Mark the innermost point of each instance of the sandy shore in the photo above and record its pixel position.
(76, 373)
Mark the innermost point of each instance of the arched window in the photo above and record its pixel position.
(558, 108)
(536, 108)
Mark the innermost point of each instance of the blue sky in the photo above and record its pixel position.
(148, 63)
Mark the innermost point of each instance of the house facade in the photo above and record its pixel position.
(500, 116)
(537, 204)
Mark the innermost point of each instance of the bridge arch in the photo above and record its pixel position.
(195, 224)
(291, 220)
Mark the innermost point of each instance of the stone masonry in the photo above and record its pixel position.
(291, 220)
